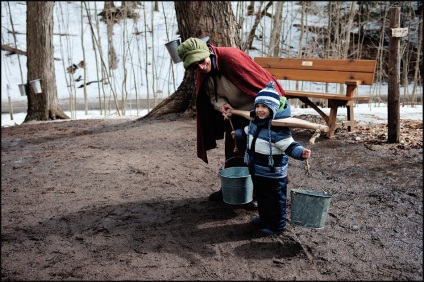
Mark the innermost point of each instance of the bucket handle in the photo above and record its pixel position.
(308, 174)
(307, 166)
(231, 159)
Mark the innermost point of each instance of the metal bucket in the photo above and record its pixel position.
(205, 39)
(309, 208)
(36, 86)
(22, 89)
(172, 47)
(237, 185)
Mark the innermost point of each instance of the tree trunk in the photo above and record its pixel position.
(110, 18)
(198, 19)
(393, 112)
(418, 60)
(347, 30)
(181, 101)
(40, 63)
(213, 19)
(259, 16)
(274, 43)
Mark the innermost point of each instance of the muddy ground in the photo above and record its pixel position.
(124, 200)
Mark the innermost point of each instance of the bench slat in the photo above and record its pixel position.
(330, 96)
(323, 70)
(318, 64)
(321, 76)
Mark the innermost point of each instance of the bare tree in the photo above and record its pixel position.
(259, 16)
(393, 113)
(110, 18)
(198, 19)
(274, 42)
(111, 15)
(418, 62)
(40, 63)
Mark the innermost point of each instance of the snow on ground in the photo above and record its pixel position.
(364, 113)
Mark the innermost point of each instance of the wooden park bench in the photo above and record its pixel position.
(351, 73)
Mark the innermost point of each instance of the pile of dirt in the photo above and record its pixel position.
(126, 200)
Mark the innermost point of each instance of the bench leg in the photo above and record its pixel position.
(315, 107)
(350, 117)
(334, 105)
(332, 121)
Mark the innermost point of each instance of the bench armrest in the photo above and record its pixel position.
(351, 86)
(353, 82)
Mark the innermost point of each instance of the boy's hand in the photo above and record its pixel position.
(306, 153)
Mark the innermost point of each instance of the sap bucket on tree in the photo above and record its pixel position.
(172, 47)
(237, 185)
(22, 89)
(309, 208)
(36, 85)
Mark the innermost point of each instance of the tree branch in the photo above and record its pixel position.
(12, 51)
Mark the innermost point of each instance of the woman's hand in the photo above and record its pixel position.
(224, 108)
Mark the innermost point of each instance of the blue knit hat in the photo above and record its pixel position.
(269, 97)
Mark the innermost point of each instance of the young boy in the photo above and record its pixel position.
(268, 148)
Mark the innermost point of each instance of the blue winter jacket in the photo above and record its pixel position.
(258, 149)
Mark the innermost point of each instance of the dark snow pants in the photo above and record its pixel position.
(271, 195)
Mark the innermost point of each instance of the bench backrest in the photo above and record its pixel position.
(322, 70)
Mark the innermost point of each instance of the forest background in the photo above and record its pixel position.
(112, 199)
(130, 66)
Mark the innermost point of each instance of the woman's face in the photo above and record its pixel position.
(204, 65)
(262, 111)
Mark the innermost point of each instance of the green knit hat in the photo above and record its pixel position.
(192, 50)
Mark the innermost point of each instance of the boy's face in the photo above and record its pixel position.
(262, 111)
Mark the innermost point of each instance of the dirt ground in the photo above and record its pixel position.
(125, 200)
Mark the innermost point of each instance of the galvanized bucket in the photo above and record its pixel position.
(36, 85)
(22, 89)
(172, 47)
(309, 208)
(237, 185)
